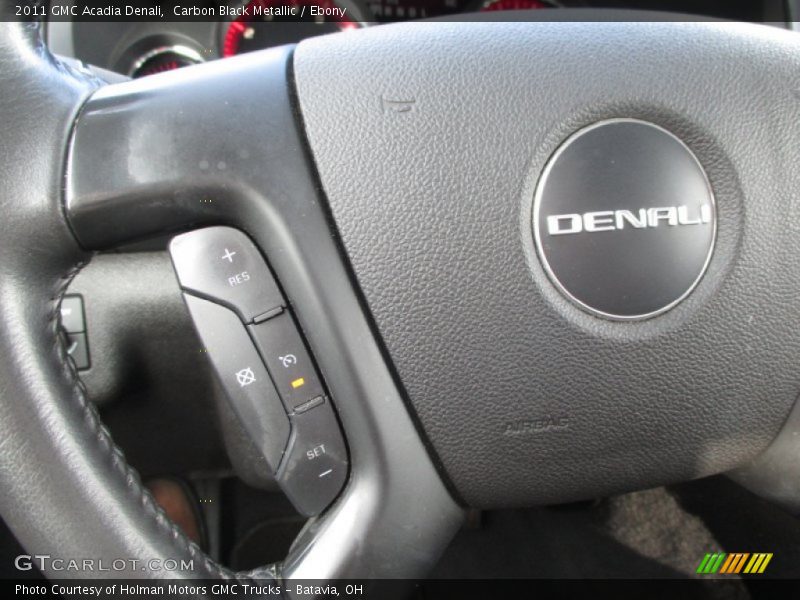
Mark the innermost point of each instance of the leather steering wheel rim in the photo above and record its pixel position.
(51, 422)
(88, 473)
(391, 388)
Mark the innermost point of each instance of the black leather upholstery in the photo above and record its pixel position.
(87, 503)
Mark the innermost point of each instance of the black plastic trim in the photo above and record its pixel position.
(337, 239)
(255, 176)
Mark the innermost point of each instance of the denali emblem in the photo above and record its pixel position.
(624, 219)
(609, 220)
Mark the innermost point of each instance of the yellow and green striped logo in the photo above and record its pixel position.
(733, 563)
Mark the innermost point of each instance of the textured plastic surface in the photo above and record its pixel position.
(119, 189)
(526, 398)
(379, 527)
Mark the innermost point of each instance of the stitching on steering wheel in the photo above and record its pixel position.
(91, 417)
(116, 456)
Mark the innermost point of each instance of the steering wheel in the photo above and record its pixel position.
(536, 262)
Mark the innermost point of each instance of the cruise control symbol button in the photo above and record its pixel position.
(228, 255)
(245, 377)
(288, 360)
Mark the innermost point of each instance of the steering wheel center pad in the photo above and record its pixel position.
(430, 141)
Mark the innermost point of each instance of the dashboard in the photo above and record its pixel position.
(230, 27)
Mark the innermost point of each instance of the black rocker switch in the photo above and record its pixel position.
(262, 362)
(243, 377)
(222, 264)
(315, 466)
(73, 324)
(287, 359)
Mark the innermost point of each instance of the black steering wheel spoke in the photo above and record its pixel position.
(221, 145)
(535, 263)
(169, 153)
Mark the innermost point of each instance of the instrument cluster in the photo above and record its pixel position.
(140, 49)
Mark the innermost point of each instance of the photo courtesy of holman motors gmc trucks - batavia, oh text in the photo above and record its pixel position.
(400, 299)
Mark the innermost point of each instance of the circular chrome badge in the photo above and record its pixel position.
(624, 219)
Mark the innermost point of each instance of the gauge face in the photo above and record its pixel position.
(400, 10)
(256, 28)
(513, 4)
(166, 58)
